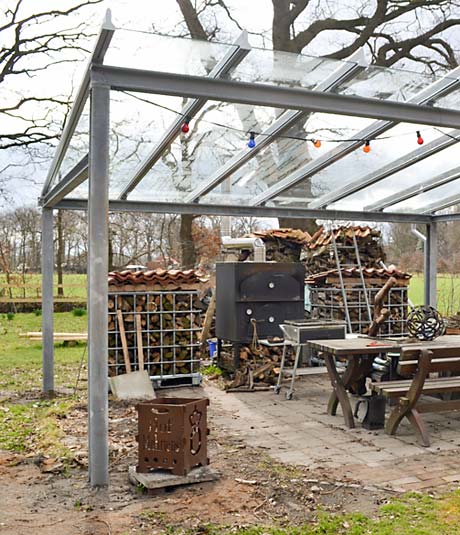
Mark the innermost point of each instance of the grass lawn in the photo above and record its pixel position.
(448, 292)
(74, 285)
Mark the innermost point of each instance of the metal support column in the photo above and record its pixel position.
(431, 261)
(98, 207)
(47, 301)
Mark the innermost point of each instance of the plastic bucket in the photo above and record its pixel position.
(212, 344)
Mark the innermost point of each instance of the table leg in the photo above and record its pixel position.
(339, 393)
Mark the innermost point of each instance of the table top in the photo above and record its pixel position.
(364, 345)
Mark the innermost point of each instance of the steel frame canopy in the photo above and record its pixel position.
(98, 82)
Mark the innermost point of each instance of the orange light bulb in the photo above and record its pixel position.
(367, 147)
(317, 143)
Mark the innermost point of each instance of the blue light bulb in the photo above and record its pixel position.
(252, 140)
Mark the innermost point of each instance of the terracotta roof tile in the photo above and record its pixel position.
(323, 237)
(380, 273)
(156, 277)
(297, 236)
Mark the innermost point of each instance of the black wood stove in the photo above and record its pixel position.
(257, 296)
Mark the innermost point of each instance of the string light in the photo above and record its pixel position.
(316, 142)
(185, 127)
(252, 140)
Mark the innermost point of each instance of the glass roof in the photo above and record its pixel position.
(219, 132)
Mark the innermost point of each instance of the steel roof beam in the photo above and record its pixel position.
(241, 210)
(76, 176)
(403, 195)
(436, 90)
(356, 63)
(97, 57)
(234, 56)
(165, 83)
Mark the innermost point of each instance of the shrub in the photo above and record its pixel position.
(38, 312)
(79, 311)
(10, 316)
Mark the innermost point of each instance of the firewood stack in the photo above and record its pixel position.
(259, 367)
(281, 245)
(318, 255)
(155, 319)
(327, 300)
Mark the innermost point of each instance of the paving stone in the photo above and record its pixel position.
(452, 478)
(405, 480)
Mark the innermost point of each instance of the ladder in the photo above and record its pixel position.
(337, 248)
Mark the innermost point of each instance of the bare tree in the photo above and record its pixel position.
(34, 40)
(402, 32)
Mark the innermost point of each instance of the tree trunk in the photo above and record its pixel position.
(60, 254)
(187, 245)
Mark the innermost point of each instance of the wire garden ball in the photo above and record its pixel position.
(425, 323)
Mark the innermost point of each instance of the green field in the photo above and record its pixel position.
(75, 286)
(29, 285)
(448, 292)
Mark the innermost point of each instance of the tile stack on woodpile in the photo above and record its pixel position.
(323, 278)
(155, 319)
(281, 245)
(318, 254)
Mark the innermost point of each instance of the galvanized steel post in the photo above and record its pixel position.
(98, 207)
(431, 262)
(47, 265)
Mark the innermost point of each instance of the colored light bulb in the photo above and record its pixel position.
(252, 140)
(419, 138)
(185, 127)
(317, 143)
(367, 147)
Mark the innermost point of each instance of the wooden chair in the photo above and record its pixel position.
(419, 363)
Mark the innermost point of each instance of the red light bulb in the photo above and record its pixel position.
(367, 147)
(419, 138)
(317, 143)
(185, 128)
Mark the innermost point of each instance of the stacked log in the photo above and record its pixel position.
(155, 321)
(281, 245)
(318, 255)
(327, 300)
(258, 366)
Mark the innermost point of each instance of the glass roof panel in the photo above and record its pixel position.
(284, 68)
(143, 50)
(218, 132)
(411, 176)
(420, 202)
(78, 146)
(393, 144)
(387, 84)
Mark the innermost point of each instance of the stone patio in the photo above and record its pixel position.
(300, 432)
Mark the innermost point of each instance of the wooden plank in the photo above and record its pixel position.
(349, 347)
(437, 365)
(439, 406)
(124, 343)
(140, 347)
(208, 319)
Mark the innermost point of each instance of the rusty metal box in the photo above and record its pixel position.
(172, 434)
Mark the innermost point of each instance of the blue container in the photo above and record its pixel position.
(212, 344)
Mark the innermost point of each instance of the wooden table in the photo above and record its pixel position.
(360, 352)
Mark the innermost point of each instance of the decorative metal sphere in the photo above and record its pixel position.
(425, 323)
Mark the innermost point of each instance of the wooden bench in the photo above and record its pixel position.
(419, 364)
